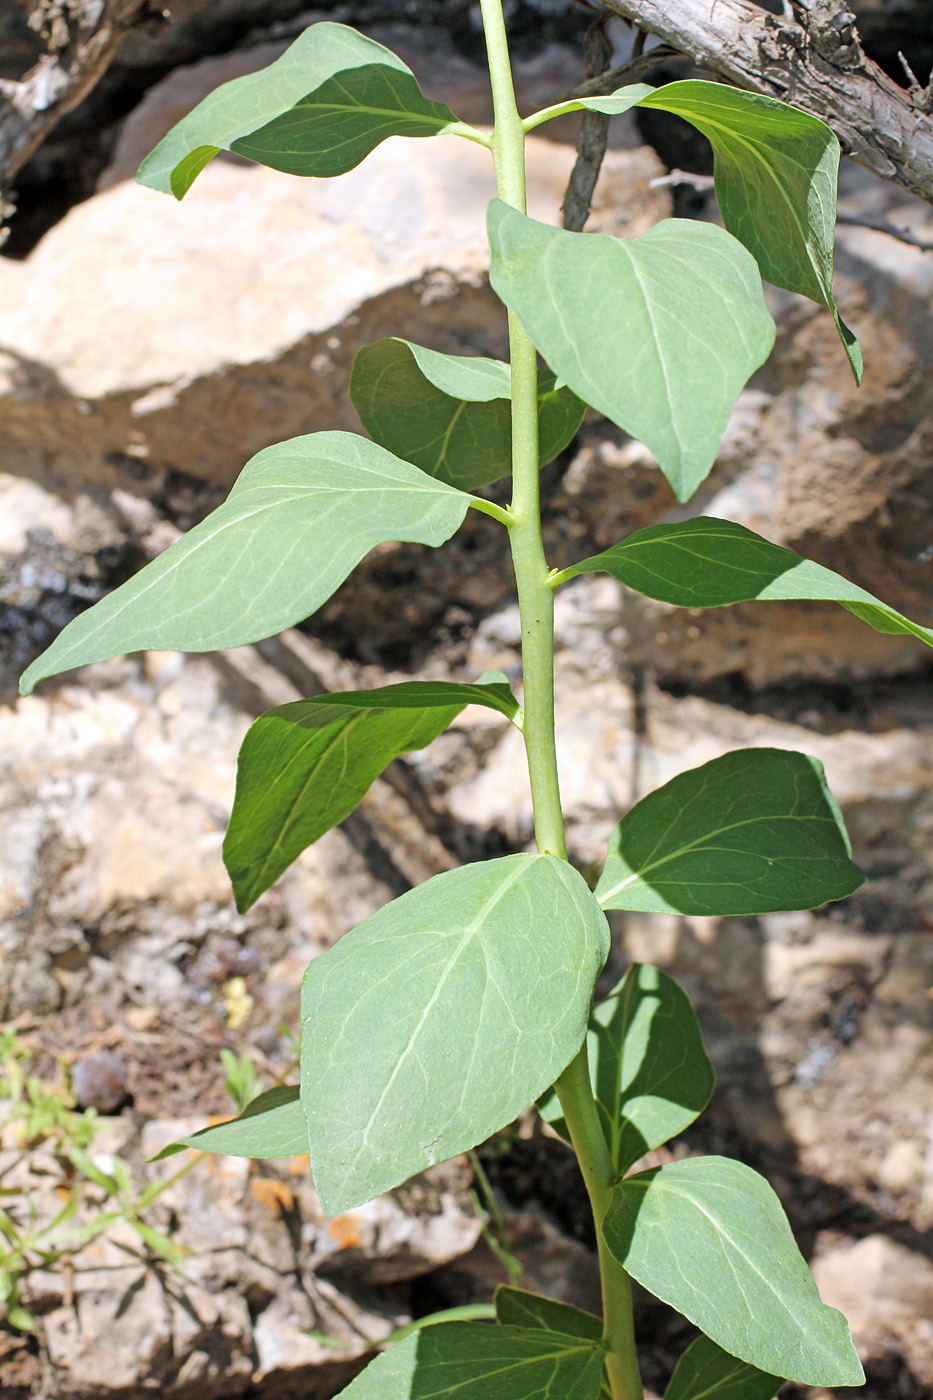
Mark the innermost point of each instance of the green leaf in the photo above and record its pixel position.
(659, 333)
(160, 1244)
(775, 169)
(301, 515)
(706, 1372)
(706, 563)
(471, 1361)
(21, 1319)
(651, 1075)
(273, 1125)
(451, 414)
(708, 1236)
(748, 833)
(304, 766)
(435, 1022)
(320, 109)
(518, 1308)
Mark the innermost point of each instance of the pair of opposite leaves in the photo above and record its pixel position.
(686, 295)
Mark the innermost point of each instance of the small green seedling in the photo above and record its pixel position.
(96, 1190)
(438, 1020)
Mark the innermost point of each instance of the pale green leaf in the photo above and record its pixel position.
(472, 1361)
(706, 1372)
(21, 1319)
(748, 833)
(273, 1125)
(659, 333)
(708, 1236)
(301, 515)
(304, 766)
(706, 563)
(451, 414)
(320, 109)
(160, 1244)
(518, 1308)
(651, 1075)
(775, 169)
(435, 1022)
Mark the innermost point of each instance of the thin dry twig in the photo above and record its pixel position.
(594, 133)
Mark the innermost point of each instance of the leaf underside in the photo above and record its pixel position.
(273, 1125)
(651, 1075)
(748, 833)
(320, 109)
(775, 170)
(438, 1020)
(659, 333)
(450, 414)
(707, 563)
(708, 1236)
(304, 766)
(300, 517)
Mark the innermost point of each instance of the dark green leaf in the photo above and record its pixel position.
(775, 171)
(706, 1372)
(320, 109)
(748, 833)
(273, 1125)
(301, 515)
(708, 1236)
(659, 333)
(706, 563)
(518, 1308)
(651, 1075)
(451, 414)
(471, 1361)
(303, 767)
(440, 1018)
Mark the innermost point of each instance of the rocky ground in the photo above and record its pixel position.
(145, 355)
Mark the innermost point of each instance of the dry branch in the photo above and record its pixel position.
(82, 37)
(814, 61)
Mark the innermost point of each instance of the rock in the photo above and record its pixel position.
(99, 1081)
(259, 1289)
(127, 346)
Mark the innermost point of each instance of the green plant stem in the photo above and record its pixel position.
(589, 1142)
(536, 606)
(535, 598)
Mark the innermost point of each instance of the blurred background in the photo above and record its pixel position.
(147, 350)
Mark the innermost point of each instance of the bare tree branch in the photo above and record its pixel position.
(815, 61)
(594, 134)
(82, 37)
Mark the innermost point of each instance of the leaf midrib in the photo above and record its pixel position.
(470, 932)
(675, 1189)
(691, 846)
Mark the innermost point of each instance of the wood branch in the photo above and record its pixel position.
(815, 62)
(82, 36)
(594, 134)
